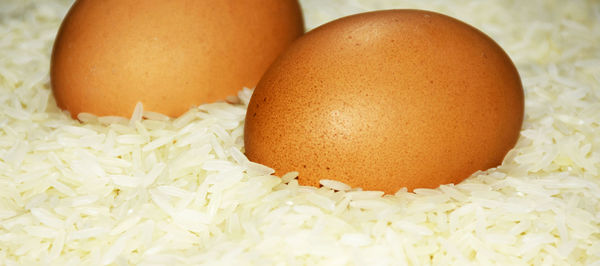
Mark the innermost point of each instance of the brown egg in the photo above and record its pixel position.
(385, 100)
(169, 55)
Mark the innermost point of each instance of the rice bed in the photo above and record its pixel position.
(153, 191)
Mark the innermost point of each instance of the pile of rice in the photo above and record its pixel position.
(152, 190)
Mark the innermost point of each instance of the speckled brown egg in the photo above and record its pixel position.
(386, 100)
(169, 55)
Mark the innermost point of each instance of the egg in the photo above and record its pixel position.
(169, 55)
(386, 100)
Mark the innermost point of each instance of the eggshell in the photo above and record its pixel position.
(385, 100)
(169, 55)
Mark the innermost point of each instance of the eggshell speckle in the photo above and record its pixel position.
(385, 100)
(169, 55)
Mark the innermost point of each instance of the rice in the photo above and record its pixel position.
(150, 190)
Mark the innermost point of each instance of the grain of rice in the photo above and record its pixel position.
(335, 185)
(137, 114)
(356, 240)
(309, 210)
(368, 204)
(244, 95)
(86, 233)
(108, 120)
(185, 119)
(114, 250)
(157, 143)
(87, 117)
(57, 245)
(357, 195)
(40, 231)
(287, 177)
(155, 116)
(83, 200)
(47, 218)
(258, 169)
(216, 165)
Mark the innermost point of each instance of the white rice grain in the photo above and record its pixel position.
(47, 218)
(335, 185)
